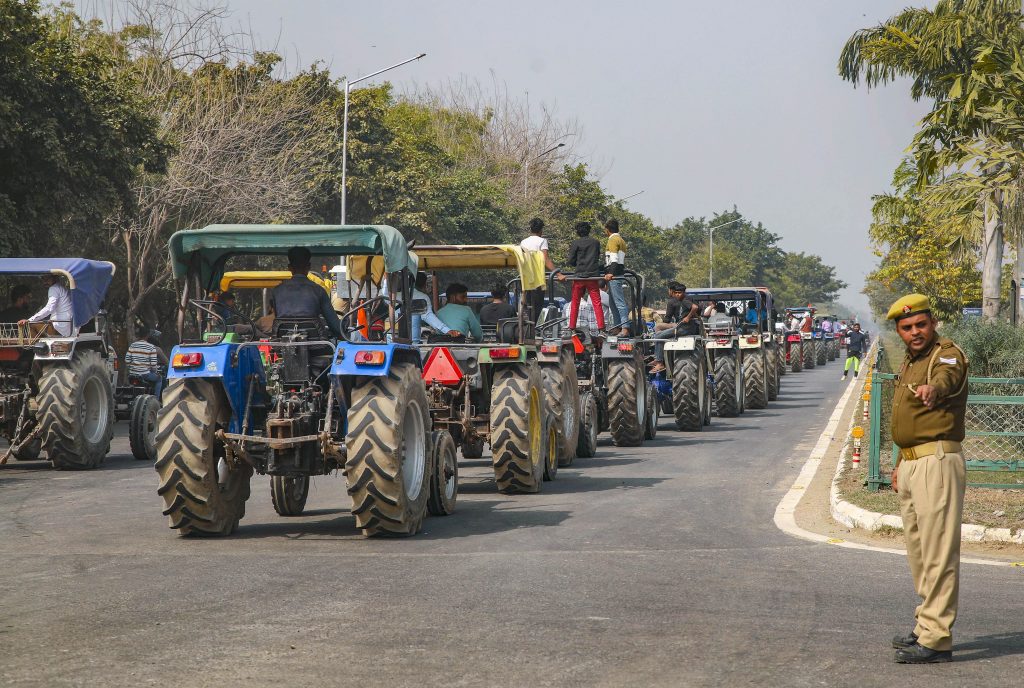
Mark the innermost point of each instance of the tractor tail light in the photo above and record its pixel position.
(723, 342)
(752, 340)
(369, 358)
(510, 352)
(549, 349)
(625, 347)
(793, 338)
(189, 360)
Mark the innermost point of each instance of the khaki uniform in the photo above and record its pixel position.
(931, 480)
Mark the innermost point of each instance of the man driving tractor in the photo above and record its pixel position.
(299, 297)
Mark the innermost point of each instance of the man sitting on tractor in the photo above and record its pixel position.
(57, 311)
(145, 359)
(19, 308)
(299, 297)
(679, 320)
(498, 309)
(457, 315)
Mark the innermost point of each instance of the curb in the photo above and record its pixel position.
(853, 516)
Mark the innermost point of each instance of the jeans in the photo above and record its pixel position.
(659, 347)
(619, 307)
(156, 379)
(417, 327)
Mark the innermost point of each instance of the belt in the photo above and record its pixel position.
(929, 449)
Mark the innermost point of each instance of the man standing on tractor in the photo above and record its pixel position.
(145, 359)
(57, 310)
(857, 343)
(680, 319)
(536, 242)
(299, 297)
(615, 266)
(19, 308)
(585, 257)
(457, 315)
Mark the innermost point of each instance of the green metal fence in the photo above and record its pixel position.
(993, 447)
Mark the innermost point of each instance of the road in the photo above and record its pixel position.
(655, 566)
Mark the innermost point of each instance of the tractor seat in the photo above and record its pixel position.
(321, 361)
(312, 328)
(508, 330)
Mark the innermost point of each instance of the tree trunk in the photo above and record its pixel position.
(992, 257)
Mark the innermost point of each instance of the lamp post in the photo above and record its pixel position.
(623, 200)
(526, 168)
(344, 126)
(711, 249)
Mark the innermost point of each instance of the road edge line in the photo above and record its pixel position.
(785, 511)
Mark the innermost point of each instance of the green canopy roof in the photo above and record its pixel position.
(212, 245)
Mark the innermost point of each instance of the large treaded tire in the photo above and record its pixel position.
(288, 494)
(833, 350)
(562, 393)
(517, 428)
(821, 353)
(726, 398)
(755, 383)
(689, 380)
(796, 359)
(389, 454)
(773, 374)
(444, 481)
(76, 410)
(626, 394)
(552, 447)
(653, 415)
(780, 358)
(142, 427)
(586, 446)
(809, 354)
(473, 450)
(188, 453)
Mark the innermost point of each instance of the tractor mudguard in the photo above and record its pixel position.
(232, 365)
(371, 359)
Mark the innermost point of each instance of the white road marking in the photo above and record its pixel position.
(785, 518)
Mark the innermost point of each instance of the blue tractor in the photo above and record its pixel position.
(286, 399)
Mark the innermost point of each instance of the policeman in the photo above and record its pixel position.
(299, 297)
(928, 426)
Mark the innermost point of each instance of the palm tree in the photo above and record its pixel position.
(956, 55)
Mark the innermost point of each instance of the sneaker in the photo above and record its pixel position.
(843, 377)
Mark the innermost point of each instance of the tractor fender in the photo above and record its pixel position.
(227, 363)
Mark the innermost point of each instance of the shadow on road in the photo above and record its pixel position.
(990, 646)
(482, 517)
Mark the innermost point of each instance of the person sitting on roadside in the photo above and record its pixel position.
(585, 258)
(145, 360)
(680, 320)
(300, 298)
(497, 309)
(457, 315)
(56, 316)
(430, 317)
(19, 308)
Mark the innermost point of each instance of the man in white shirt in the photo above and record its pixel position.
(57, 311)
(537, 242)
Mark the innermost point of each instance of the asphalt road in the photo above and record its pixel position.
(656, 566)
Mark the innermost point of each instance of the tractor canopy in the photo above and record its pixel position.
(529, 264)
(88, 280)
(759, 295)
(262, 279)
(206, 250)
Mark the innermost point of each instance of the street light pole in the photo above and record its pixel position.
(711, 249)
(344, 127)
(526, 168)
(623, 200)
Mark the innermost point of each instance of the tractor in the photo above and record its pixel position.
(614, 392)
(500, 391)
(56, 376)
(295, 402)
(804, 329)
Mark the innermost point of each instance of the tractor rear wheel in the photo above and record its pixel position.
(755, 382)
(809, 356)
(76, 410)
(689, 394)
(728, 390)
(773, 374)
(142, 427)
(444, 481)
(821, 352)
(796, 358)
(780, 358)
(388, 441)
(586, 446)
(202, 496)
(552, 445)
(626, 401)
(562, 394)
(517, 428)
(653, 413)
(289, 494)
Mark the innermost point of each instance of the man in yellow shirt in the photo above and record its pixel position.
(615, 266)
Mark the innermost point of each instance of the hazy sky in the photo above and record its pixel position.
(701, 105)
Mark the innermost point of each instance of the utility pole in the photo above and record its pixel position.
(711, 249)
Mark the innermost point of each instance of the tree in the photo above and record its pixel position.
(805, 278)
(73, 133)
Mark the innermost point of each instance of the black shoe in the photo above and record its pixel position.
(901, 641)
(919, 654)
